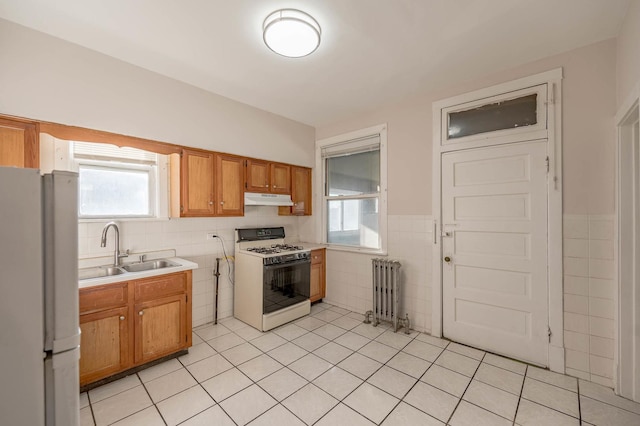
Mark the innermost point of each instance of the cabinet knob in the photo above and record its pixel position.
(267, 185)
(141, 313)
(274, 186)
(121, 317)
(210, 203)
(221, 203)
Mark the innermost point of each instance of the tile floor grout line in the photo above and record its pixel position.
(515, 416)
(579, 404)
(611, 405)
(466, 388)
(149, 395)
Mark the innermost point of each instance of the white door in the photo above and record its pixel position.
(494, 269)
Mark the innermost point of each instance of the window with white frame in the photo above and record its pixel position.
(116, 182)
(354, 177)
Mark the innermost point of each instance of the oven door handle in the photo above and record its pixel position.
(280, 265)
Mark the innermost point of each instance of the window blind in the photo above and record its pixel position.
(353, 146)
(108, 152)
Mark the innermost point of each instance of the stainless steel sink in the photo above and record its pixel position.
(149, 265)
(98, 272)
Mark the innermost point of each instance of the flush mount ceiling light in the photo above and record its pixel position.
(291, 33)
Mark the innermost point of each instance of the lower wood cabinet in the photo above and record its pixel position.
(160, 328)
(318, 274)
(104, 347)
(127, 324)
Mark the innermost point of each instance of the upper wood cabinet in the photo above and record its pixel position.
(229, 187)
(264, 176)
(19, 145)
(196, 177)
(300, 193)
(280, 178)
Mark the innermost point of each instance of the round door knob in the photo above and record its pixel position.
(121, 317)
(447, 259)
(141, 313)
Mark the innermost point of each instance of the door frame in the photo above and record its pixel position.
(625, 253)
(553, 79)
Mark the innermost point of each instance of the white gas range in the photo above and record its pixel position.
(272, 279)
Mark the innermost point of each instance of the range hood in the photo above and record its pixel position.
(255, 199)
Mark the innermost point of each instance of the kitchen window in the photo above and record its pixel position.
(116, 182)
(354, 192)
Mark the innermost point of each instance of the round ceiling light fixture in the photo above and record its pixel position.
(291, 33)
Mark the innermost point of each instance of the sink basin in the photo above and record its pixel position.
(149, 265)
(98, 272)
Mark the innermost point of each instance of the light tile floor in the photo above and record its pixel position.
(331, 369)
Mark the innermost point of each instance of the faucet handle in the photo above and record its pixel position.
(143, 257)
(125, 254)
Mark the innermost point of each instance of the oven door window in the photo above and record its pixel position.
(285, 285)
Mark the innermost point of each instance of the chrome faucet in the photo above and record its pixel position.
(103, 243)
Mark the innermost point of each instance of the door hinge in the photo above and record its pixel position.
(549, 333)
(246, 185)
(547, 162)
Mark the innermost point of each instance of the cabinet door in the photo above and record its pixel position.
(229, 188)
(104, 344)
(18, 144)
(257, 176)
(318, 284)
(160, 327)
(197, 183)
(280, 178)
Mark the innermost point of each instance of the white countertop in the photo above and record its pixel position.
(185, 265)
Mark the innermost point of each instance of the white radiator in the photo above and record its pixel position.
(386, 295)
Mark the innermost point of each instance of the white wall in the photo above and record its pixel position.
(589, 104)
(628, 53)
(49, 79)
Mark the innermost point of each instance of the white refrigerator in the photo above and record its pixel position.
(39, 330)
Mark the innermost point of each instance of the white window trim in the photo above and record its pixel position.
(321, 220)
(57, 154)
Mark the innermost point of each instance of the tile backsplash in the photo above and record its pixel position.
(589, 297)
(188, 236)
(409, 241)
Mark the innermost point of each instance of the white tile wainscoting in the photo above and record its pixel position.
(409, 241)
(188, 236)
(589, 296)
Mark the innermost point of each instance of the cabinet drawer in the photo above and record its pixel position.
(317, 256)
(165, 285)
(103, 297)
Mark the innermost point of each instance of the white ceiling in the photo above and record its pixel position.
(373, 52)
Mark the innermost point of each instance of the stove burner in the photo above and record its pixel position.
(275, 248)
(286, 247)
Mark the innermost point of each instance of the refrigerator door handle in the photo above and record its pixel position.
(60, 345)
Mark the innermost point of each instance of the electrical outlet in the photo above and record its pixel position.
(211, 235)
